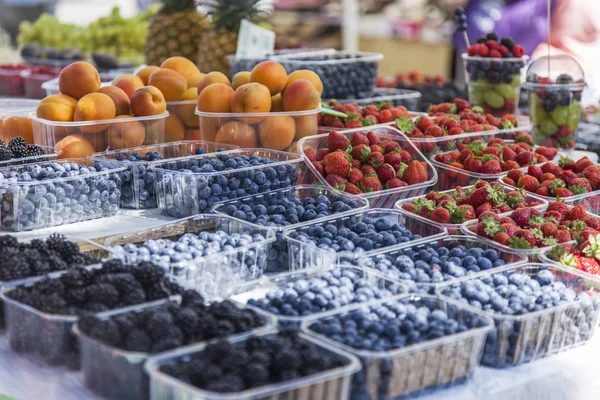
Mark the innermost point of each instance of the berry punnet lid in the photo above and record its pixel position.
(559, 71)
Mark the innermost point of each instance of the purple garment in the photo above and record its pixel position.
(523, 20)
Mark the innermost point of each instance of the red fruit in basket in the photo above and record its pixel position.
(406, 156)
(528, 183)
(395, 183)
(416, 172)
(558, 206)
(479, 197)
(386, 116)
(580, 186)
(467, 211)
(464, 154)
(386, 172)
(434, 131)
(368, 170)
(358, 139)
(563, 192)
(488, 215)
(491, 167)
(492, 150)
(370, 184)
(353, 124)
(461, 104)
(508, 154)
(440, 215)
(495, 54)
(509, 227)
(375, 159)
(472, 50)
(522, 239)
(336, 181)
(547, 152)
(502, 238)
(563, 236)
(356, 164)
(518, 50)
(521, 216)
(394, 159)
(582, 164)
(515, 174)
(549, 229)
(390, 146)
(369, 120)
(526, 157)
(337, 163)
(510, 165)
(375, 148)
(423, 123)
(566, 163)
(592, 222)
(535, 171)
(445, 158)
(360, 152)
(591, 171)
(337, 123)
(473, 164)
(577, 212)
(373, 138)
(457, 130)
(321, 153)
(525, 138)
(399, 112)
(551, 168)
(355, 176)
(588, 265)
(351, 188)
(546, 176)
(408, 207)
(337, 141)
(543, 191)
(508, 181)
(310, 154)
(319, 167)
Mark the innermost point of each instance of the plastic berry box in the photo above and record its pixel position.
(345, 74)
(454, 229)
(82, 139)
(417, 284)
(35, 204)
(418, 368)
(397, 97)
(138, 187)
(182, 193)
(270, 130)
(278, 259)
(210, 275)
(33, 79)
(326, 385)
(378, 285)
(517, 339)
(11, 82)
(383, 198)
(183, 121)
(309, 254)
(117, 374)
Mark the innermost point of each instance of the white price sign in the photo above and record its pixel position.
(254, 41)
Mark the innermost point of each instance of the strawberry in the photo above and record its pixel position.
(566, 163)
(592, 222)
(478, 197)
(370, 184)
(423, 123)
(547, 176)
(368, 170)
(526, 158)
(415, 172)
(528, 183)
(440, 215)
(336, 181)
(467, 211)
(582, 164)
(522, 239)
(434, 131)
(321, 153)
(589, 265)
(509, 227)
(406, 157)
(352, 188)
(543, 191)
(355, 176)
(547, 152)
(534, 171)
(549, 229)
(337, 163)
(509, 181)
(580, 186)
(577, 212)
(337, 123)
(390, 146)
(319, 167)
(394, 159)
(337, 141)
(356, 164)
(358, 139)
(461, 104)
(563, 236)
(485, 207)
(360, 152)
(551, 168)
(375, 159)
(502, 237)
(373, 138)
(491, 167)
(386, 172)
(310, 154)
(456, 130)
(369, 120)
(563, 192)
(521, 216)
(508, 154)
(515, 174)
(353, 124)
(375, 148)
(386, 116)
(410, 207)
(495, 151)
(395, 183)
(510, 165)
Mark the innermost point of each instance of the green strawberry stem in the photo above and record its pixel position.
(334, 113)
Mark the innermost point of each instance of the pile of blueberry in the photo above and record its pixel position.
(344, 76)
(194, 184)
(329, 290)
(398, 324)
(521, 292)
(46, 194)
(224, 367)
(153, 330)
(432, 94)
(434, 262)
(177, 256)
(285, 208)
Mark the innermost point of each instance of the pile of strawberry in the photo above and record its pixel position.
(504, 48)
(413, 78)
(497, 156)
(365, 163)
(565, 179)
(466, 111)
(465, 204)
(361, 116)
(528, 228)
(584, 256)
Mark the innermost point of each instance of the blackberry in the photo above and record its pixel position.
(6, 154)
(34, 151)
(102, 293)
(492, 36)
(18, 146)
(8, 241)
(482, 40)
(138, 340)
(508, 42)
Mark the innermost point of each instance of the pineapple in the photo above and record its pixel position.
(175, 30)
(221, 39)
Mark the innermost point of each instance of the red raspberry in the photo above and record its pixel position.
(492, 44)
(495, 54)
(472, 50)
(503, 50)
(518, 50)
(482, 50)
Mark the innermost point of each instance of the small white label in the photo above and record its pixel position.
(254, 41)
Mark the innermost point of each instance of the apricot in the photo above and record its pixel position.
(145, 72)
(251, 98)
(171, 83)
(306, 125)
(292, 148)
(125, 134)
(238, 133)
(216, 98)
(174, 129)
(75, 146)
(301, 95)
(239, 79)
(213, 77)
(78, 79)
(94, 107)
(57, 107)
(271, 74)
(208, 128)
(185, 68)
(119, 97)
(190, 94)
(98, 141)
(185, 110)
(148, 100)
(17, 126)
(128, 83)
(309, 76)
(277, 133)
(276, 103)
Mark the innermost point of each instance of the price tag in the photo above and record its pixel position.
(254, 41)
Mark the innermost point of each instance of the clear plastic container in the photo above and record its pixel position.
(494, 83)
(326, 385)
(210, 275)
(546, 258)
(182, 194)
(523, 338)
(345, 74)
(246, 64)
(138, 185)
(555, 85)
(182, 123)
(272, 130)
(33, 83)
(81, 139)
(278, 259)
(454, 229)
(118, 374)
(11, 82)
(307, 255)
(397, 97)
(509, 256)
(419, 368)
(383, 198)
(29, 205)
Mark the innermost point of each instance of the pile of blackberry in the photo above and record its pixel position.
(224, 367)
(18, 148)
